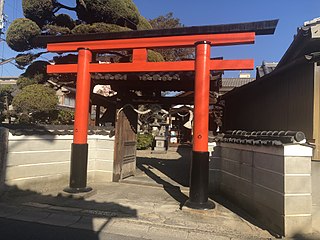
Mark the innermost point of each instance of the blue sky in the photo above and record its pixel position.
(291, 15)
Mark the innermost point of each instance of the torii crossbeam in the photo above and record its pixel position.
(202, 38)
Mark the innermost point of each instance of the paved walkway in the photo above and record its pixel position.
(148, 206)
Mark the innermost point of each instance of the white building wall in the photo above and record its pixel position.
(42, 162)
(272, 183)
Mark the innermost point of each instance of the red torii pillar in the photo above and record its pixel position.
(79, 147)
(199, 180)
(202, 65)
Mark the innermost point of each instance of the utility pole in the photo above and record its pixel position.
(2, 19)
(7, 109)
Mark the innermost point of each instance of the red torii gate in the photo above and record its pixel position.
(235, 34)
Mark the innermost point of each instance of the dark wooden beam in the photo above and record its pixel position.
(154, 85)
(136, 100)
(260, 28)
(163, 100)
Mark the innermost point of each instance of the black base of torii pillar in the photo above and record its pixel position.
(199, 178)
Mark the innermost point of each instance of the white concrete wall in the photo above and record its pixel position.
(271, 183)
(42, 162)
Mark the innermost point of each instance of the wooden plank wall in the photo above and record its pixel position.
(316, 111)
(284, 101)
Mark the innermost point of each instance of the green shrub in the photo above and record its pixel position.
(37, 71)
(143, 24)
(64, 20)
(24, 81)
(99, 27)
(154, 56)
(144, 141)
(64, 117)
(24, 59)
(109, 11)
(39, 11)
(35, 98)
(50, 29)
(20, 33)
(55, 117)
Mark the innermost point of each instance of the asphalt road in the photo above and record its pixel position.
(16, 230)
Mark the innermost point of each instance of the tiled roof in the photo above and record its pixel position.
(275, 138)
(265, 68)
(235, 82)
(19, 130)
(305, 42)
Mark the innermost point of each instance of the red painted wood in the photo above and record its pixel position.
(139, 55)
(82, 97)
(246, 64)
(201, 98)
(155, 42)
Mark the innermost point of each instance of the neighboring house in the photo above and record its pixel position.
(265, 69)
(5, 81)
(230, 83)
(66, 97)
(8, 80)
(287, 98)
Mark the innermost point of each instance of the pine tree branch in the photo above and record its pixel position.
(58, 6)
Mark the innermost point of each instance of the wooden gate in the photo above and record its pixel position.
(125, 144)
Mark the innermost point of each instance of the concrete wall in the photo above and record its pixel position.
(271, 183)
(42, 162)
(315, 173)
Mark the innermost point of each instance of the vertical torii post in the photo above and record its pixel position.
(199, 179)
(79, 148)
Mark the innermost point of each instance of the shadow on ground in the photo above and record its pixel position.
(173, 165)
(172, 174)
(172, 190)
(27, 214)
(170, 170)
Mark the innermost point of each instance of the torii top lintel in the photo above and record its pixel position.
(139, 41)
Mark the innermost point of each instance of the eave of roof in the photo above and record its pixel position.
(305, 42)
